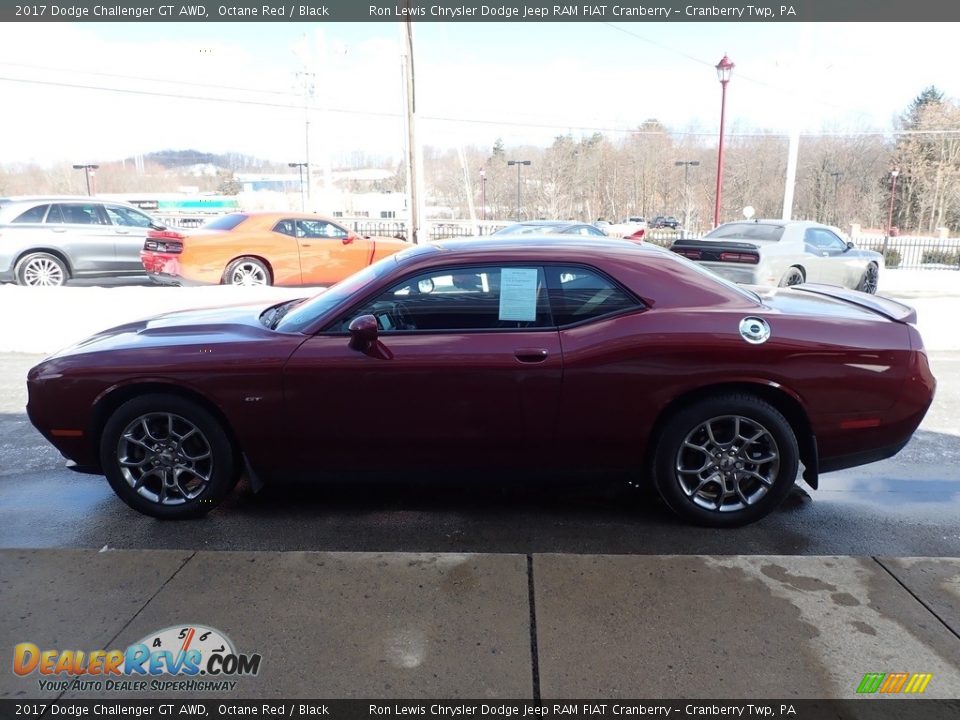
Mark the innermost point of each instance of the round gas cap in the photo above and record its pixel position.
(754, 330)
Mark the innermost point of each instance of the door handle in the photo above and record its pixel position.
(59, 229)
(531, 355)
(122, 232)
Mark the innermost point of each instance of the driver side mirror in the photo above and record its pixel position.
(349, 238)
(850, 245)
(363, 332)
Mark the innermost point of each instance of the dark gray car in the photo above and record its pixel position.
(47, 240)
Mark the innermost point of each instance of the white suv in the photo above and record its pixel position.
(46, 240)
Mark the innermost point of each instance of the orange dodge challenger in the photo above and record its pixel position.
(262, 248)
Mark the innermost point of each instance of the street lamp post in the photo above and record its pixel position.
(724, 70)
(300, 166)
(893, 191)
(518, 163)
(483, 193)
(686, 196)
(87, 172)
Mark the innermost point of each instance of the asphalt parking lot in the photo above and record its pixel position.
(503, 590)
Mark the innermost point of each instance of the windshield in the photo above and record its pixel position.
(747, 231)
(298, 318)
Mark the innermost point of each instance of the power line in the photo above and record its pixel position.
(472, 121)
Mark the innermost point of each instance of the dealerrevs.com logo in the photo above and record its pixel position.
(203, 655)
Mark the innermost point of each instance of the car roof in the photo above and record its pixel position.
(548, 223)
(59, 198)
(545, 246)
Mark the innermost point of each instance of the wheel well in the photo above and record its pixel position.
(801, 269)
(49, 251)
(787, 406)
(108, 404)
(266, 264)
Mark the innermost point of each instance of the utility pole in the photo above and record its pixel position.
(415, 180)
(307, 85)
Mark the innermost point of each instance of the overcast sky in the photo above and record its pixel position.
(476, 82)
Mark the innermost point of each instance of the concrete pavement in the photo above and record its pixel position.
(408, 625)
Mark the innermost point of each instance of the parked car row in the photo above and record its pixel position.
(49, 240)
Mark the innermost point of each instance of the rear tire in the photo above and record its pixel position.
(41, 269)
(793, 276)
(726, 461)
(871, 277)
(247, 271)
(167, 457)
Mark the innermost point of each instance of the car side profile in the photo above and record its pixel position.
(783, 253)
(592, 358)
(262, 248)
(47, 240)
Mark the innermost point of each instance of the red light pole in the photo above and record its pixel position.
(724, 70)
(893, 192)
(483, 193)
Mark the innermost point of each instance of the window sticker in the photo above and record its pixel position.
(518, 294)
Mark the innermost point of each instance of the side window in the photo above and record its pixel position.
(824, 241)
(74, 214)
(319, 229)
(127, 217)
(461, 299)
(578, 294)
(286, 227)
(33, 215)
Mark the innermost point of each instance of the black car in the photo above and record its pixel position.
(661, 221)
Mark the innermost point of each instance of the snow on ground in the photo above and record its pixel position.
(43, 320)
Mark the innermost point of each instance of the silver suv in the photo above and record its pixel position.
(48, 240)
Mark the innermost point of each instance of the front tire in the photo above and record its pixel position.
(40, 269)
(167, 457)
(726, 461)
(247, 271)
(870, 280)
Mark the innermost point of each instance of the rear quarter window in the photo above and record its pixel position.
(33, 215)
(578, 294)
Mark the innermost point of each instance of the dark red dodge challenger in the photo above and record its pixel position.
(515, 356)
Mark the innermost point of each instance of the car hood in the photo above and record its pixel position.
(185, 327)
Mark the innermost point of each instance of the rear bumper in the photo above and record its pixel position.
(165, 269)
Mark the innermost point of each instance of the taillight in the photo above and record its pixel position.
(692, 254)
(749, 258)
(166, 241)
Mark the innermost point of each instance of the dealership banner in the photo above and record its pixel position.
(489, 11)
(525, 710)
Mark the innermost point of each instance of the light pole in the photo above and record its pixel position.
(518, 163)
(686, 196)
(836, 191)
(483, 193)
(724, 70)
(300, 167)
(87, 172)
(893, 191)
